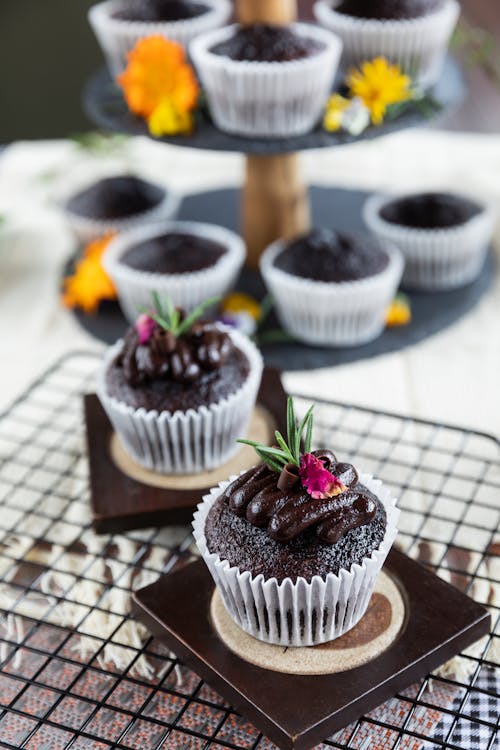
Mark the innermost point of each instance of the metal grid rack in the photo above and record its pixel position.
(94, 687)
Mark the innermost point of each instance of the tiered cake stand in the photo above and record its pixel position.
(275, 202)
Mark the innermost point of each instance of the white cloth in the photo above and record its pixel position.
(452, 376)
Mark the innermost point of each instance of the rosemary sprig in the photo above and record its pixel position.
(168, 317)
(288, 451)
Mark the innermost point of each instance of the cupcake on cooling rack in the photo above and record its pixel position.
(117, 203)
(330, 288)
(412, 33)
(119, 24)
(179, 391)
(185, 261)
(295, 544)
(444, 237)
(265, 80)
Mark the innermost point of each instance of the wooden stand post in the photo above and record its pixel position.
(266, 11)
(275, 200)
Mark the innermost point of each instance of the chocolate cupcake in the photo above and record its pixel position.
(295, 544)
(444, 237)
(117, 203)
(185, 261)
(330, 288)
(414, 34)
(179, 391)
(119, 24)
(265, 80)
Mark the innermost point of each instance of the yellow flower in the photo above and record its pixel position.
(239, 302)
(90, 283)
(165, 119)
(160, 85)
(334, 112)
(379, 84)
(399, 312)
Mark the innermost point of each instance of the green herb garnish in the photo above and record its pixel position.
(169, 317)
(288, 451)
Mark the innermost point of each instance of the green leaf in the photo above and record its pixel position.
(265, 449)
(281, 442)
(291, 425)
(195, 314)
(161, 321)
(269, 461)
(266, 306)
(308, 438)
(273, 336)
(298, 437)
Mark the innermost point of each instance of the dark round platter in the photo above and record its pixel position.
(432, 312)
(104, 105)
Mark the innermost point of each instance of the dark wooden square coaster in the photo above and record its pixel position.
(123, 496)
(297, 711)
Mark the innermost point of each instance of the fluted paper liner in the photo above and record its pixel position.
(346, 313)
(192, 441)
(417, 45)
(117, 36)
(302, 613)
(269, 99)
(436, 259)
(186, 290)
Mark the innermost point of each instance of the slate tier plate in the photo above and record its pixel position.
(432, 312)
(104, 104)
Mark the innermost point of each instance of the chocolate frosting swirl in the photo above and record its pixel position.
(288, 512)
(164, 357)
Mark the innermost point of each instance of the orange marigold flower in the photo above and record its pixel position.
(89, 284)
(157, 70)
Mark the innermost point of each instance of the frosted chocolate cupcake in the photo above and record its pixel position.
(265, 80)
(444, 237)
(330, 288)
(184, 261)
(412, 33)
(115, 204)
(295, 544)
(119, 24)
(179, 391)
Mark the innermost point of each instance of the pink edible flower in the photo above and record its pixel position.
(144, 326)
(318, 481)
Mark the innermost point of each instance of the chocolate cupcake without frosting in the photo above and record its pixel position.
(117, 203)
(263, 80)
(413, 34)
(119, 24)
(264, 43)
(154, 11)
(388, 10)
(444, 237)
(305, 529)
(178, 391)
(332, 288)
(184, 261)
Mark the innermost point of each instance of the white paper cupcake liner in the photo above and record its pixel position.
(272, 99)
(87, 229)
(346, 313)
(417, 45)
(186, 290)
(302, 613)
(436, 259)
(117, 37)
(184, 442)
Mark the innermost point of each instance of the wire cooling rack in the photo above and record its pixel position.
(77, 672)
